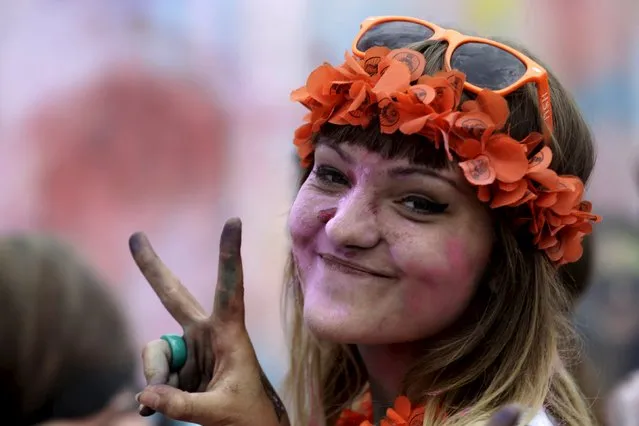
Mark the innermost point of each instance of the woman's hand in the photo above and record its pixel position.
(507, 416)
(221, 382)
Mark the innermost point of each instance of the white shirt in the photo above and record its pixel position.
(541, 419)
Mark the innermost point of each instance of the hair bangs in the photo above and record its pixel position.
(415, 148)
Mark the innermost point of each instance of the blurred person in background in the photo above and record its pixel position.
(67, 357)
(401, 282)
(609, 320)
(623, 401)
(608, 315)
(613, 388)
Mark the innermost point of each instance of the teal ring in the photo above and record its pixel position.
(177, 345)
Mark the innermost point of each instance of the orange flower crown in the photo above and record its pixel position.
(390, 85)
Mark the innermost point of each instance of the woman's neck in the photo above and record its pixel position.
(387, 366)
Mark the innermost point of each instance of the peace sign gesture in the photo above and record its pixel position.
(210, 376)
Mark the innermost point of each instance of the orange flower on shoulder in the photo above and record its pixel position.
(360, 413)
(403, 414)
(353, 418)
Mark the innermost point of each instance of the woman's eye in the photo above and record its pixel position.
(330, 176)
(422, 205)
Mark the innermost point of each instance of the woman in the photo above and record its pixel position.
(427, 235)
(56, 367)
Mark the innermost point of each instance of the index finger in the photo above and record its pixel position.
(229, 292)
(174, 296)
(507, 416)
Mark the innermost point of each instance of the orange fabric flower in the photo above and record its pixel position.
(496, 157)
(389, 85)
(560, 219)
(354, 418)
(401, 414)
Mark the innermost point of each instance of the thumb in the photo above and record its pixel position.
(176, 404)
(507, 416)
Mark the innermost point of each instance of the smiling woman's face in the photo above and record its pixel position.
(387, 251)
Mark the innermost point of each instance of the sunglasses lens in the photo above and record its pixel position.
(487, 66)
(394, 35)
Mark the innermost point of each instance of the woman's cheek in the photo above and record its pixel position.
(302, 220)
(439, 272)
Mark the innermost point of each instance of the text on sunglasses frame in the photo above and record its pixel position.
(532, 71)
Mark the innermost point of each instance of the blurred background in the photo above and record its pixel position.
(170, 116)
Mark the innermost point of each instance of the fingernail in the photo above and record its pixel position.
(149, 399)
(135, 242)
(232, 232)
(146, 411)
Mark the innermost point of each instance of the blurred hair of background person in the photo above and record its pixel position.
(67, 357)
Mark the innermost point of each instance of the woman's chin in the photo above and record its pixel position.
(350, 328)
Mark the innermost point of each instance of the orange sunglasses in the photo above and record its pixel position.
(487, 64)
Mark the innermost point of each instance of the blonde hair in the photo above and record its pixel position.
(514, 342)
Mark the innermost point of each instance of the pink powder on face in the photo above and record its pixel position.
(435, 276)
(307, 218)
(433, 264)
(327, 214)
(303, 219)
